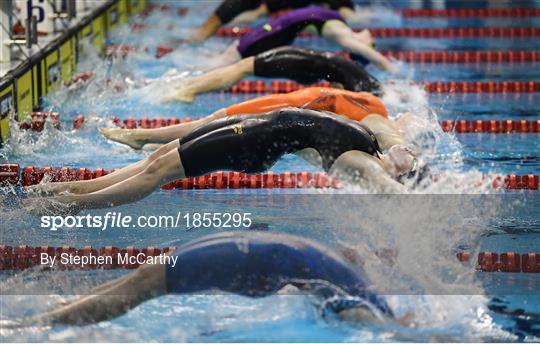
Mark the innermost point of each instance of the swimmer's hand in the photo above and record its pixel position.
(360, 315)
(406, 319)
(364, 315)
(388, 66)
(12, 324)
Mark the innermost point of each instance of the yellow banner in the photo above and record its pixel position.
(123, 11)
(85, 34)
(137, 6)
(24, 95)
(113, 17)
(6, 107)
(98, 32)
(67, 57)
(52, 71)
(35, 86)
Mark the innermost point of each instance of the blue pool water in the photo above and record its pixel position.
(505, 308)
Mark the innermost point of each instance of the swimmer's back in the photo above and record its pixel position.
(354, 105)
(261, 263)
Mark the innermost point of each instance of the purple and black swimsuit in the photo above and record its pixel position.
(282, 31)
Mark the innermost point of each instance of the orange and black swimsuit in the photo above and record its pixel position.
(354, 105)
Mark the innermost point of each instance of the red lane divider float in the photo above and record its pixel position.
(486, 56)
(460, 32)
(285, 86)
(111, 257)
(38, 119)
(471, 12)
(181, 11)
(491, 126)
(13, 174)
(132, 123)
(458, 12)
(481, 56)
(504, 262)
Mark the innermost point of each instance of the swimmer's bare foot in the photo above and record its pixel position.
(6, 324)
(183, 94)
(48, 206)
(51, 189)
(124, 136)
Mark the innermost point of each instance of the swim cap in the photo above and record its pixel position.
(403, 157)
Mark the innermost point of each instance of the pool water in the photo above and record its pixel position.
(500, 307)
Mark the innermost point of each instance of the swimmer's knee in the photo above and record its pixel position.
(155, 167)
(164, 149)
(247, 65)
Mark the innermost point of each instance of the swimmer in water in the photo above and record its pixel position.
(283, 31)
(252, 264)
(354, 105)
(347, 149)
(305, 66)
(249, 10)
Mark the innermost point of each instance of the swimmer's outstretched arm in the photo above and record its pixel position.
(209, 28)
(360, 168)
(251, 16)
(215, 79)
(137, 138)
(116, 298)
(344, 36)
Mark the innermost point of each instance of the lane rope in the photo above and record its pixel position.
(37, 121)
(471, 12)
(458, 32)
(14, 175)
(24, 256)
(410, 12)
(430, 56)
(286, 86)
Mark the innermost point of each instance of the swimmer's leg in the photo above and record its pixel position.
(162, 170)
(112, 300)
(87, 186)
(137, 138)
(216, 79)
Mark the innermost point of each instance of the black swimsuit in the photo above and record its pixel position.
(308, 66)
(279, 5)
(254, 143)
(229, 9)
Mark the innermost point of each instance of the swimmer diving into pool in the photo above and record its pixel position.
(249, 10)
(305, 66)
(283, 31)
(347, 149)
(354, 105)
(252, 264)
